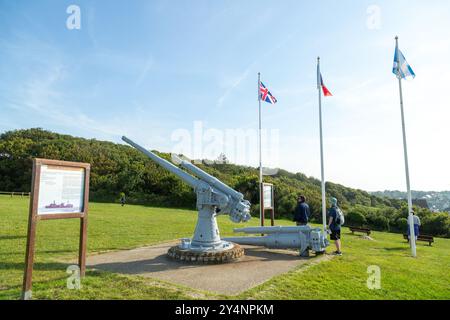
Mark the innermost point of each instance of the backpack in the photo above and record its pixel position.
(340, 219)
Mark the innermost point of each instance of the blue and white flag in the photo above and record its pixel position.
(401, 67)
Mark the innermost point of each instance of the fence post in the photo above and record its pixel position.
(13, 193)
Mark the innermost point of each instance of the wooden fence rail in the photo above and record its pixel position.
(16, 193)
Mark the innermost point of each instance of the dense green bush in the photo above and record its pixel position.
(355, 218)
(437, 224)
(287, 204)
(378, 222)
(255, 210)
(402, 225)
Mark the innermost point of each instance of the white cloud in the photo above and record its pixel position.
(145, 70)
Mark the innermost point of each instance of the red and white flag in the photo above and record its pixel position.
(325, 90)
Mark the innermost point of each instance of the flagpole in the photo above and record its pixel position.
(261, 217)
(412, 238)
(324, 204)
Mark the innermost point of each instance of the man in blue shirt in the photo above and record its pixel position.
(334, 227)
(301, 214)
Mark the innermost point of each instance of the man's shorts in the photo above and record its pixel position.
(335, 234)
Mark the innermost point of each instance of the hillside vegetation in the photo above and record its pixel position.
(118, 168)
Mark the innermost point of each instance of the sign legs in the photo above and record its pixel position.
(82, 249)
(29, 259)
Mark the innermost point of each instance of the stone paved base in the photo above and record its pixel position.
(257, 266)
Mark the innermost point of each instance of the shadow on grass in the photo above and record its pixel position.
(37, 266)
(395, 249)
(12, 237)
(38, 252)
(357, 234)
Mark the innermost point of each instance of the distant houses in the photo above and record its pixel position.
(421, 203)
(435, 201)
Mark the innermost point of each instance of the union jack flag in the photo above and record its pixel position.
(265, 95)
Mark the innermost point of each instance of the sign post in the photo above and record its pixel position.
(267, 201)
(59, 190)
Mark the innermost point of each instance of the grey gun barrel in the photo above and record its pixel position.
(216, 183)
(300, 237)
(252, 241)
(271, 230)
(186, 177)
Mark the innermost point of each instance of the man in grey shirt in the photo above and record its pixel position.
(416, 221)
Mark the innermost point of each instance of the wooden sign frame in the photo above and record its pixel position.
(34, 217)
(272, 208)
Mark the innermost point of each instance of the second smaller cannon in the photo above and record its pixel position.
(303, 238)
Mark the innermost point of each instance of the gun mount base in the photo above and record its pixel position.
(229, 253)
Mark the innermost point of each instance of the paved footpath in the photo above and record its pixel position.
(257, 266)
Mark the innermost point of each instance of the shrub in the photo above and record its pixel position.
(315, 209)
(378, 222)
(437, 224)
(355, 218)
(286, 205)
(402, 224)
(254, 210)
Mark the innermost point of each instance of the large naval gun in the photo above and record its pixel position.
(302, 238)
(213, 198)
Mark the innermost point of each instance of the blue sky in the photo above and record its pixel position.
(149, 68)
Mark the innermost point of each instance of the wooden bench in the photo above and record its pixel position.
(359, 229)
(422, 237)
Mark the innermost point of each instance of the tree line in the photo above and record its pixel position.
(117, 168)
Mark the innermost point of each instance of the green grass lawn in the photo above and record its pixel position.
(112, 227)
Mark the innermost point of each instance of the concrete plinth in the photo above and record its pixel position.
(257, 266)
